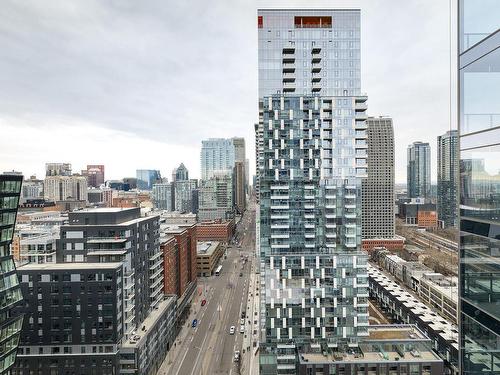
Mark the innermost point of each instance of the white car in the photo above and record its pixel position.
(231, 330)
(236, 355)
(242, 329)
(242, 321)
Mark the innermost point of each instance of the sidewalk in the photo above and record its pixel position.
(173, 357)
(250, 361)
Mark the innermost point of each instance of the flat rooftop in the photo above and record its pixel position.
(105, 209)
(447, 330)
(149, 323)
(385, 343)
(206, 247)
(399, 332)
(68, 266)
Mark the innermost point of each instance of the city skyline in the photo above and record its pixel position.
(123, 106)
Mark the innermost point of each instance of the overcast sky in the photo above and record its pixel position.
(138, 84)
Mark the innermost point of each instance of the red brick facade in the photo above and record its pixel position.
(170, 253)
(179, 261)
(427, 219)
(392, 244)
(221, 231)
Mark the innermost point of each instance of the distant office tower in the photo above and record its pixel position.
(180, 173)
(377, 214)
(239, 149)
(247, 175)
(94, 174)
(479, 118)
(146, 178)
(130, 183)
(314, 157)
(419, 170)
(239, 186)
(102, 197)
(447, 178)
(10, 322)
(216, 198)
(57, 169)
(162, 196)
(61, 188)
(184, 190)
(218, 155)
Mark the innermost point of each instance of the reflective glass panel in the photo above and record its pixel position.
(479, 18)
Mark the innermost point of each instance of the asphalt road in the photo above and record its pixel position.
(209, 348)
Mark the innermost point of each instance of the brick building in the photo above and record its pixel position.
(178, 243)
(216, 230)
(396, 243)
(427, 219)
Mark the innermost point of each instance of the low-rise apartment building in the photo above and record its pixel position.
(387, 349)
(434, 289)
(403, 307)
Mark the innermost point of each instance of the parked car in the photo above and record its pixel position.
(231, 330)
(204, 302)
(242, 329)
(242, 321)
(195, 323)
(236, 355)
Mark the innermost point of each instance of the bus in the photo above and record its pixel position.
(218, 270)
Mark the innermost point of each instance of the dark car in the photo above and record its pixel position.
(204, 302)
(241, 274)
(195, 323)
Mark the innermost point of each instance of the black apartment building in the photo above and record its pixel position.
(100, 309)
(73, 319)
(119, 235)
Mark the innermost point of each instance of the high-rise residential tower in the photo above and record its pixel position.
(259, 156)
(313, 124)
(216, 198)
(479, 121)
(217, 156)
(162, 196)
(10, 324)
(447, 178)
(220, 157)
(419, 170)
(183, 195)
(57, 169)
(378, 188)
(60, 188)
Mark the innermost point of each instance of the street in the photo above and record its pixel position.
(209, 347)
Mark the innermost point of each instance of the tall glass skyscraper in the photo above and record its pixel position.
(146, 178)
(10, 292)
(447, 177)
(419, 170)
(479, 131)
(218, 155)
(313, 129)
